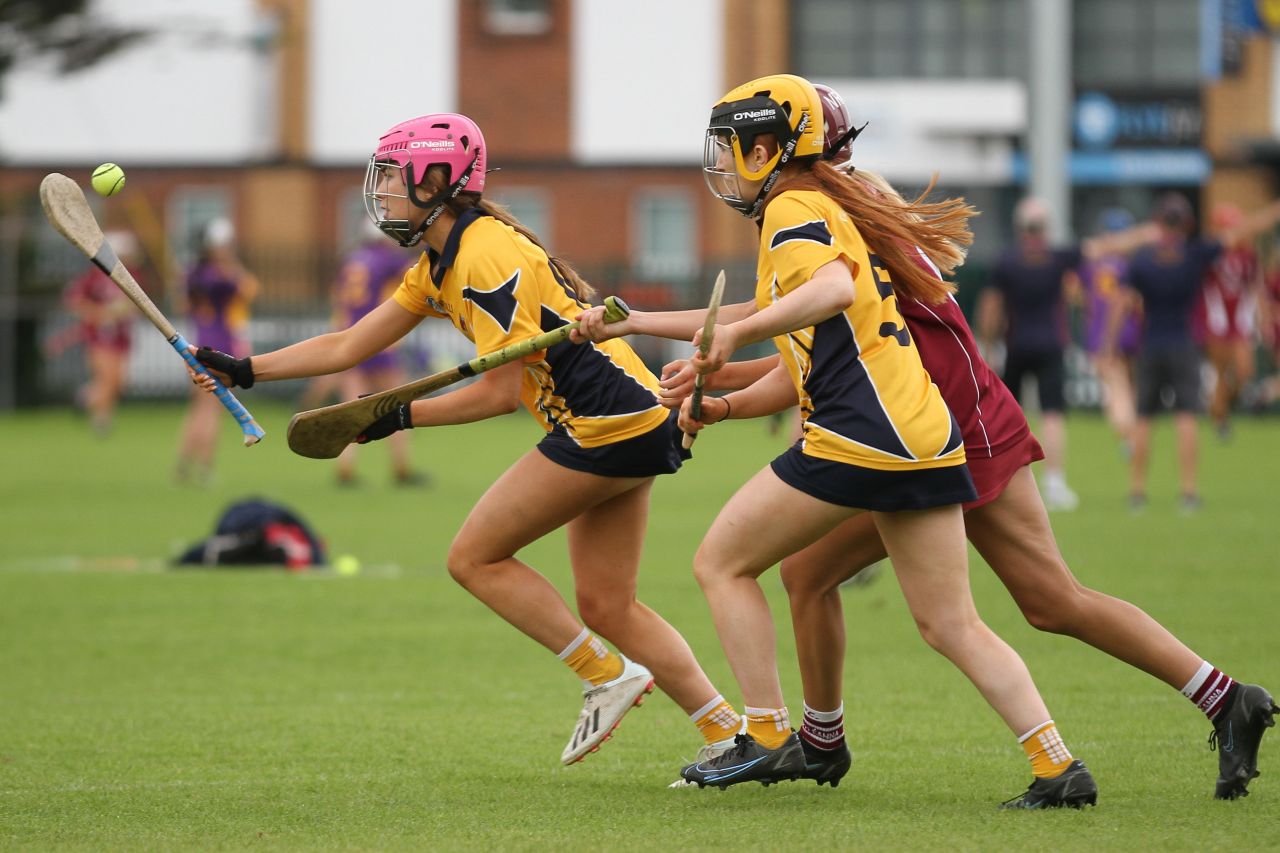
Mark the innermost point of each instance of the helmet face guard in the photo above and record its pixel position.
(386, 179)
(783, 106)
(400, 164)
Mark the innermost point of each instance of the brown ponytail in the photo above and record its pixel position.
(893, 226)
(437, 176)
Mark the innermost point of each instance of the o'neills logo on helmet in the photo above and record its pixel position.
(755, 114)
(433, 143)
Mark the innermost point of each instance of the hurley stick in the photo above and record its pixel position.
(324, 433)
(708, 332)
(66, 208)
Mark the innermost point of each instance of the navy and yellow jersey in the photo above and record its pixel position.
(865, 397)
(498, 288)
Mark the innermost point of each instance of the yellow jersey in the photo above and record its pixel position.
(498, 288)
(864, 395)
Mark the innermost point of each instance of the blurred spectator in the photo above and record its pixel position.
(369, 275)
(1027, 299)
(1166, 280)
(1227, 311)
(105, 317)
(219, 292)
(1111, 333)
(1269, 325)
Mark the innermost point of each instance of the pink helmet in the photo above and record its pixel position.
(411, 148)
(836, 125)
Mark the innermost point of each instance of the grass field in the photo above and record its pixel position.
(144, 709)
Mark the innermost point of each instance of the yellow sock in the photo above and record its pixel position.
(1049, 755)
(716, 720)
(591, 660)
(769, 726)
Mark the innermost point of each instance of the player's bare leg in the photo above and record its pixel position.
(1014, 536)
(1138, 463)
(534, 497)
(1184, 425)
(108, 368)
(1117, 395)
(1053, 434)
(605, 544)
(930, 558)
(765, 521)
(812, 578)
(199, 442)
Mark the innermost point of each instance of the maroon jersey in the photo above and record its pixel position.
(94, 292)
(990, 419)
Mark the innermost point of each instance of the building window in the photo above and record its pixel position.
(532, 208)
(1136, 43)
(190, 210)
(517, 17)
(664, 235)
(909, 38)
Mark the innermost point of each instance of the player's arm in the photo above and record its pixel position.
(676, 325)
(828, 292)
(1124, 242)
(678, 377)
(328, 353)
(773, 392)
(496, 392)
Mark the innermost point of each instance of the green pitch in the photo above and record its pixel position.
(146, 709)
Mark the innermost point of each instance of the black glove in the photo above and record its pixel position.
(237, 369)
(393, 421)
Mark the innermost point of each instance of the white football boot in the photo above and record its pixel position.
(603, 707)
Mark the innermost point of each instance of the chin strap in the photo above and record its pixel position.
(843, 140)
(438, 201)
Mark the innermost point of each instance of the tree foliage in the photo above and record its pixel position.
(63, 29)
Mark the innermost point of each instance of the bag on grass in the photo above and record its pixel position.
(257, 532)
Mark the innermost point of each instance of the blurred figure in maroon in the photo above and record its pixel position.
(105, 317)
(219, 292)
(1269, 326)
(1227, 309)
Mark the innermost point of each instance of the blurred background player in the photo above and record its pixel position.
(1111, 332)
(218, 294)
(1269, 331)
(1165, 281)
(1027, 300)
(368, 276)
(105, 317)
(1227, 311)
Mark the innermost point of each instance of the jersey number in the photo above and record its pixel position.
(884, 287)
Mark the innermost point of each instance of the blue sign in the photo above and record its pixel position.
(1137, 166)
(1097, 120)
(1105, 120)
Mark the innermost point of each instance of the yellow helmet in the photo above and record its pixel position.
(784, 105)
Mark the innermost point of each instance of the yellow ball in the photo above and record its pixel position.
(347, 565)
(108, 179)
